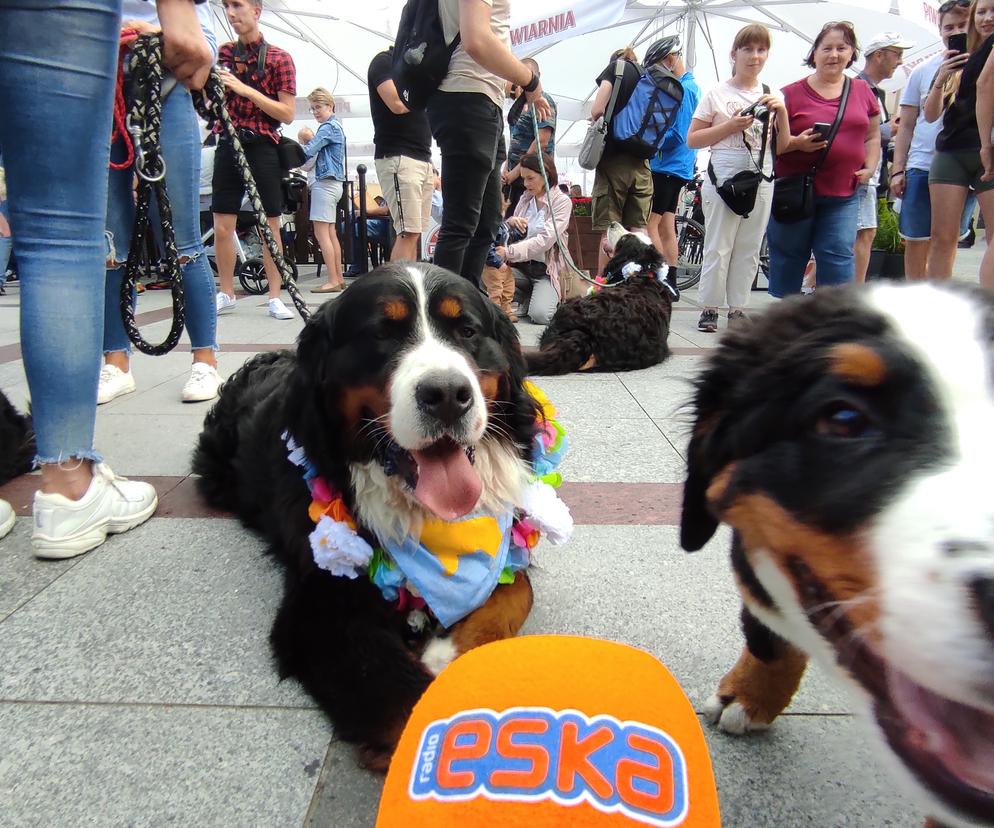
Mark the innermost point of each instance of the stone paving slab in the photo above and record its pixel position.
(67, 765)
(174, 612)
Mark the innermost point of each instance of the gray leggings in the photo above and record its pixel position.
(543, 300)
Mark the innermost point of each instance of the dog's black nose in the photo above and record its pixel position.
(446, 397)
(983, 589)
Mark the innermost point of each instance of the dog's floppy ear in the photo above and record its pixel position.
(709, 453)
(312, 420)
(697, 524)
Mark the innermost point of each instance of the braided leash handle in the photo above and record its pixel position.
(210, 106)
(144, 124)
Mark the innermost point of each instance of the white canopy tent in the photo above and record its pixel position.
(332, 42)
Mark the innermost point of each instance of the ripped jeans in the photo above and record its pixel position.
(180, 141)
(57, 66)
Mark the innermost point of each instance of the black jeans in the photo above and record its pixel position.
(467, 127)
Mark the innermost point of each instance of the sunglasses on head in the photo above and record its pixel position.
(949, 5)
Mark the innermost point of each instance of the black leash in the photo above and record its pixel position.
(210, 106)
(144, 123)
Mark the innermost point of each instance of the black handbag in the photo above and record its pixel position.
(290, 153)
(794, 195)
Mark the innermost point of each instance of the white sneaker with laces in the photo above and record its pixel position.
(278, 310)
(113, 383)
(203, 383)
(6, 518)
(223, 303)
(64, 528)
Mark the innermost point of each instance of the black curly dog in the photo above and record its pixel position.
(17, 442)
(622, 327)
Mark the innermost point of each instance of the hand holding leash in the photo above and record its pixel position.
(184, 50)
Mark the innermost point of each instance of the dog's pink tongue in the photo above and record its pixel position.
(448, 484)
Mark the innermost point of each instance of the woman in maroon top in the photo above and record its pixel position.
(831, 232)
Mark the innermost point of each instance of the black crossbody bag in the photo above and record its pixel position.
(739, 191)
(794, 195)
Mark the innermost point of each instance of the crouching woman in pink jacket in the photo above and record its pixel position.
(536, 260)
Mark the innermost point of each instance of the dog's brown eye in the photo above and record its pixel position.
(845, 421)
(467, 331)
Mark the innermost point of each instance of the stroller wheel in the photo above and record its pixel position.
(252, 275)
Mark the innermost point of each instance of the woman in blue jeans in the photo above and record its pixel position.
(830, 234)
(57, 201)
(180, 140)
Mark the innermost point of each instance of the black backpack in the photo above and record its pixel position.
(420, 54)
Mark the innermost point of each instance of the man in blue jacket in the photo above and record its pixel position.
(674, 164)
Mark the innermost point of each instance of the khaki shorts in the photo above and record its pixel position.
(622, 192)
(407, 186)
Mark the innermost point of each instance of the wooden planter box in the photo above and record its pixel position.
(584, 243)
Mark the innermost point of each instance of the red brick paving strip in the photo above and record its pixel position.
(592, 504)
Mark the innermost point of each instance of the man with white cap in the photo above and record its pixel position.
(884, 53)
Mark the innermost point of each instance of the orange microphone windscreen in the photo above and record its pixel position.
(551, 730)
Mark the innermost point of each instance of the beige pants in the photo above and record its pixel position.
(499, 283)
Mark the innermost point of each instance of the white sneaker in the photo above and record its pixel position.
(113, 383)
(203, 383)
(224, 303)
(278, 310)
(64, 528)
(6, 518)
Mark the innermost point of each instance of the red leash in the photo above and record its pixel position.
(119, 130)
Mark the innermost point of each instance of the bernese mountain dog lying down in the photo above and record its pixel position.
(402, 415)
(848, 440)
(623, 326)
(17, 442)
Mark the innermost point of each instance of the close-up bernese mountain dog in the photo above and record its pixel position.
(624, 326)
(406, 399)
(847, 440)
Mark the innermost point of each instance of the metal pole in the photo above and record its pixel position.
(361, 264)
(690, 37)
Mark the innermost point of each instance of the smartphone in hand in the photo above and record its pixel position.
(822, 129)
(957, 42)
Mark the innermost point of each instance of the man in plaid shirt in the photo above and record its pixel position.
(261, 86)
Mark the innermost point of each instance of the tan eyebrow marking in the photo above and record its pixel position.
(450, 307)
(859, 364)
(396, 310)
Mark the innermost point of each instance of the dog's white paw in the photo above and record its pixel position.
(730, 717)
(438, 655)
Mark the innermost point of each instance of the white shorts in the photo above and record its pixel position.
(325, 195)
(866, 199)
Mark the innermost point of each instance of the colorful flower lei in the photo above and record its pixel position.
(341, 550)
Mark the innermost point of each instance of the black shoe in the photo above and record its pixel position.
(708, 321)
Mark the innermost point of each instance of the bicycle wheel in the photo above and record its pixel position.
(252, 275)
(690, 241)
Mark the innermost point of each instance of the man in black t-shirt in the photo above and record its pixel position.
(402, 144)
(622, 183)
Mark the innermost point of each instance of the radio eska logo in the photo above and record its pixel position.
(534, 753)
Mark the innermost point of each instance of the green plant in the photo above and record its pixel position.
(888, 239)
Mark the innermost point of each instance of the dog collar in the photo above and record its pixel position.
(453, 566)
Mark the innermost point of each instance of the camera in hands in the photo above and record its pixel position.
(759, 111)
